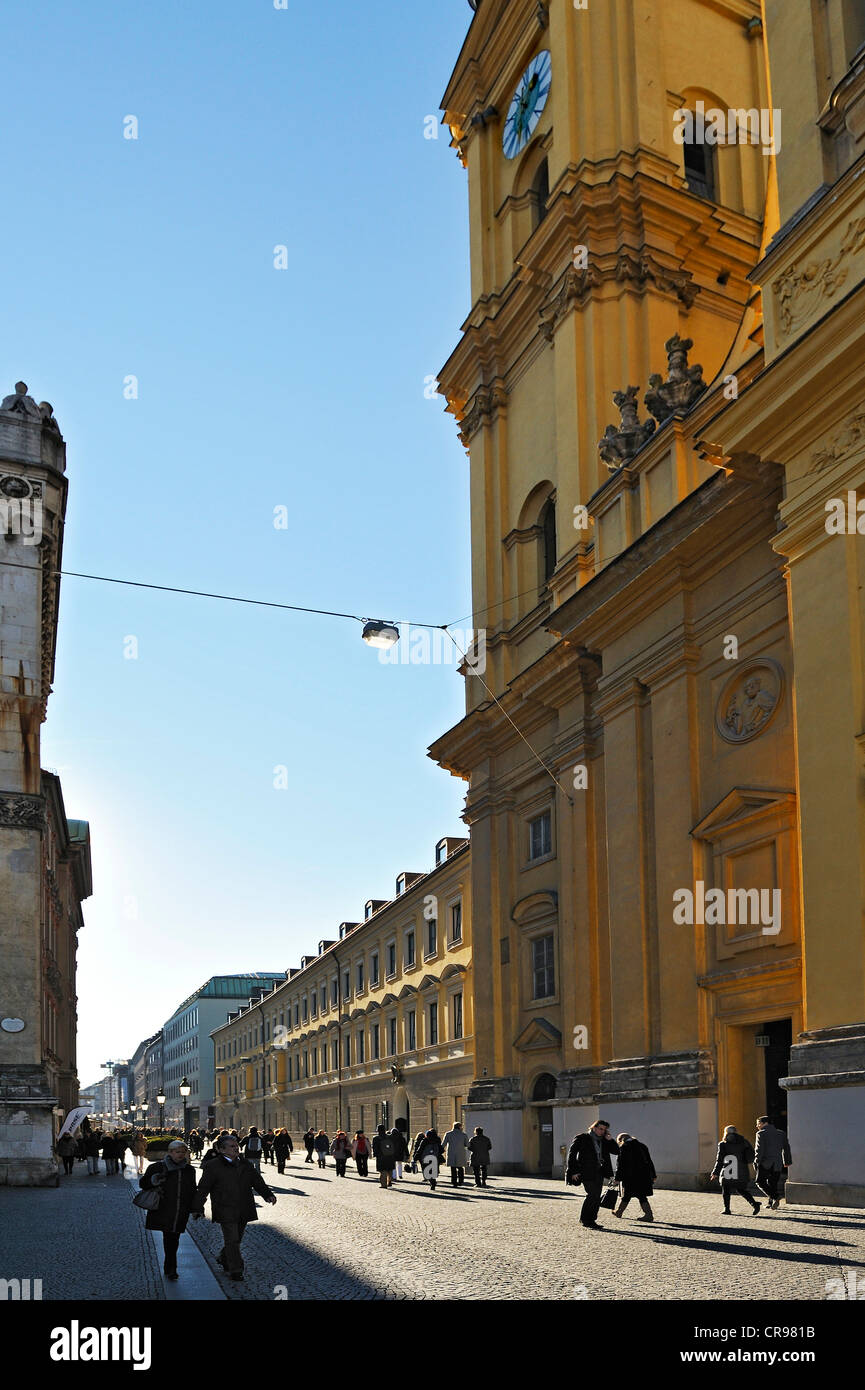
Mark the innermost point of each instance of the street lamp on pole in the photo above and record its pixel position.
(160, 1101)
(185, 1089)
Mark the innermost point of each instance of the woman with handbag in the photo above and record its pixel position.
(167, 1191)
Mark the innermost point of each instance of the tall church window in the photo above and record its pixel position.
(540, 191)
(548, 541)
(700, 169)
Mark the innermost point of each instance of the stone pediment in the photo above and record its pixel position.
(739, 806)
(535, 906)
(538, 1035)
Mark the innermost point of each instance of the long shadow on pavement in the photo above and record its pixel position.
(807, 1257)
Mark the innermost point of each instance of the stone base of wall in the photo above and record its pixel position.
(27, 1125)
(816, 1194)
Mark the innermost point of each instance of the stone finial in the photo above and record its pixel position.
(683, 385)
(618, 446)
(20, 403)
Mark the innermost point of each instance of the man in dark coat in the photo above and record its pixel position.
(174, 1179)
(230, 1181)
(731, 1166)
(282, 1148)
(635, 1174)
(589, 1163)
(772, 1157)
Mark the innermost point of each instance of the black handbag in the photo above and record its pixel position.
(610, 1197)
(148, 1198)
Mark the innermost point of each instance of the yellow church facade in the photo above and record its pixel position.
(659, 388)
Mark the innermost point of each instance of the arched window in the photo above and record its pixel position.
(548, 541)
(700, 170)
(545, 1087)
(540, 191)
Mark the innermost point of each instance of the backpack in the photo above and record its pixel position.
(254, 1143)
(386, 1146)
(361, 1147)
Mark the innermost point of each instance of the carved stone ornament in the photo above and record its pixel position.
(850, 436)
(618, 446)
(575, 283)
(22, 811)
(749, 700)
(13, 485)
(798, 292)
(482, 408)
(22, 404)
(683, 386)
(644, 269)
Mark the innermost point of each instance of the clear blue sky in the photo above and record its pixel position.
(257, 388)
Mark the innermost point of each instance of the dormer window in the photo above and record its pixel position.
(368, 911)
(400, 884)
(441, 851)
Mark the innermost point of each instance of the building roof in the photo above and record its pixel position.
(231, 986)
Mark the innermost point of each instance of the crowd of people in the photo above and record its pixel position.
(230, 1170)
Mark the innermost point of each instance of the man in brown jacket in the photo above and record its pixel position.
(230, 1181)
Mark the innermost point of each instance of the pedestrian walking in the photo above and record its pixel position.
(384, 1150)
(479, 1147)
(92, 1148)
(309, 1144)
(401, 1149)
(282, 1148)
(635, 1174)
(196, 1143)
(589, 1162)
(341, 1150)
(231, 1182)
(772, 1157)
(267, 1143)
(121, 1144)
(455, 1143)
(173, 1177)
(66, 1149)
(253, 1146)
(322, 1147)
(731, 1166)
(360, 1153)
(430, 1155)
(109, 1154)
(79, 1147)
(139, 1150)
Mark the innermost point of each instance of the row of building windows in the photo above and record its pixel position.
(179, 1026)
(354, 981)
(313, 1061)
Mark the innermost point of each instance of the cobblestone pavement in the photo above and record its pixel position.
(84, 1239)
(520, 1238)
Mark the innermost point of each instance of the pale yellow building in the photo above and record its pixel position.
(376, 1026)
(668, 915)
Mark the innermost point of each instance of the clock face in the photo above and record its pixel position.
(529, 100)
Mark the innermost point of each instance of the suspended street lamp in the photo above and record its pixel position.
(379, 634)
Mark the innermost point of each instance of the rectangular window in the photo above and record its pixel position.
(359, 976)
(346, 1050)
(540, 836)
(391, 959)
(431, 937)
(346, 985)
(457, 1031)
(392, 1032)
(306, 1064)
(296, 1015)
(409, 948)
(315, 1061)
(543, 969)
(314, 1005)
(334, 1052)
(305, 1010)
(411, 1029)
(433, 1024)
(361, 1047)
(376, 1046)
(373, 969)
(334, 992)
(324, 999)
(457, 922)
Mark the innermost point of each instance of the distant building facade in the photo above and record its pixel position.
(186, 1047)
(45, 869)
(377, 1026)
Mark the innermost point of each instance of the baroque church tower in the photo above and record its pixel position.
(636, 857)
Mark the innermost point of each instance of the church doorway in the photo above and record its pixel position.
(543, 1091)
